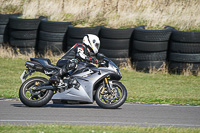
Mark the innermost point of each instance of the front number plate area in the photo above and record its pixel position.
(22, 77)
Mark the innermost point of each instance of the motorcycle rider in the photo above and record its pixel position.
(79, 52)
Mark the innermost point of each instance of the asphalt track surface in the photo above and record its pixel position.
(14, 112)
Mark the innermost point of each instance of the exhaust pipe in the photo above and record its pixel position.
(28, 63)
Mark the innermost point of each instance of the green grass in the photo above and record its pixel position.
(161, 88)
(142, 87)
(91, 129)
(11, 70)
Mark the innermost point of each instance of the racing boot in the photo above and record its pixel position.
(56, 77)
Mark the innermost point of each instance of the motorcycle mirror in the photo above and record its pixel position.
(100, 56)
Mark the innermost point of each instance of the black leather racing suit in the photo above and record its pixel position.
(79, 52)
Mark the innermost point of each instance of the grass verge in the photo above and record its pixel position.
(92, 129)
(142, 87)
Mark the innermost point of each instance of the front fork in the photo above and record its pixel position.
(107, 85)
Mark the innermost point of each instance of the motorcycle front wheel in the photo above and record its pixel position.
(31, 97)
(115, 99)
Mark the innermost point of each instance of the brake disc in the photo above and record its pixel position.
(114, 94)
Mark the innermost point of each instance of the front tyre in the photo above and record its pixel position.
(115, 99)
(32, 98)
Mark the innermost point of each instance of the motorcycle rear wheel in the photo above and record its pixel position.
(32, 98)
(115, 99)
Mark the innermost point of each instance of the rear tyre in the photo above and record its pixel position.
(32, 98)
(115, 99)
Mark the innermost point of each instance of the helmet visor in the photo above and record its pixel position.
(97, 45)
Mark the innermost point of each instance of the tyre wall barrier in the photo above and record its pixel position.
(23, 34)
(184, 53)
(4, 29)
(146, 48)
(52, 36)
(149, 48)
(115, 44)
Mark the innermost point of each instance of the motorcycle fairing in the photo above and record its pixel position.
(87, 81)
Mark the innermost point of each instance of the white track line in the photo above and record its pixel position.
(107, 123)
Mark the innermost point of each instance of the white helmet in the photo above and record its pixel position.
(92, 41)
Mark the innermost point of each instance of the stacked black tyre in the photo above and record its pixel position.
(149, 50)
(115, 44)
(4, 29)
(184, 51)
(23, 34)
(76, 34)
(52, 37)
